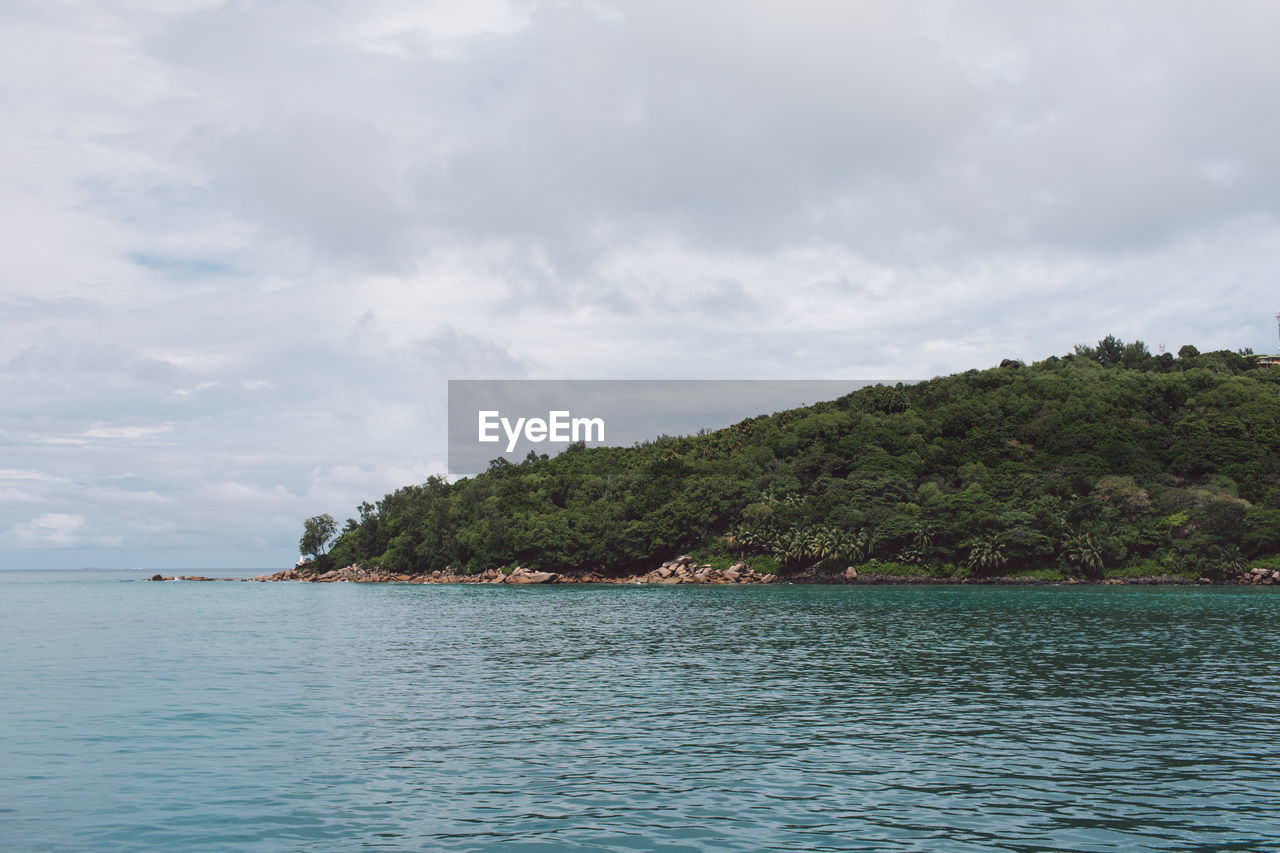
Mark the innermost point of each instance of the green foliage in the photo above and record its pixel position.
(316, 532)
(1105, 458)
(1050, 575)
(896, 569)
(764, 564)
(1083, 552)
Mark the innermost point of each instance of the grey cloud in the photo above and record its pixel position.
(901, 132)
(276, 230)
(330, 184)
(459, 355)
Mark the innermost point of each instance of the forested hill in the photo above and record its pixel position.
(1106, 458)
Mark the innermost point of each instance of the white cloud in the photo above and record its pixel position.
(18, 474)
(51, 530)
(195, 389)
(126, 432)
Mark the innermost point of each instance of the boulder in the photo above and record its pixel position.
(665, 571)
(851, 574)
(683, 559)
(157, 577)
(526, 576)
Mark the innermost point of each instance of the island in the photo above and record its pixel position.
(1109, 464)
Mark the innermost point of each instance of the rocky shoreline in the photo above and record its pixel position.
(685, 570)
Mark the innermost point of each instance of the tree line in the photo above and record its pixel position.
(1108, 457)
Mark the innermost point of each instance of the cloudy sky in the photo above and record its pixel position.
(246, 243)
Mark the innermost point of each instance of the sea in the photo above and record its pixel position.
(141, 716)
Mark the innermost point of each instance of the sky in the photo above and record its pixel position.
(247, 243)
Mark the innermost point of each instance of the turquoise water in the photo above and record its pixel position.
(244, 716)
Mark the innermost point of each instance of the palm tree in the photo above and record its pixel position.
(1081, 550)
(733, 540)
(1233, 562)
(923, 539)
(862, 546)
(987, 552)
(822, 542)
(911, 555)
(853, 547)
(791, 546)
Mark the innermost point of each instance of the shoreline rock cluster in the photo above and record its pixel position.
(158, 577)
(681, 570)
(685, 570)
(1258, 575)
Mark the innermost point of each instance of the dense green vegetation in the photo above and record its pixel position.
(1107, 459)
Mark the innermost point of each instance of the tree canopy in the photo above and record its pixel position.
(316, 532)
(1106, 457)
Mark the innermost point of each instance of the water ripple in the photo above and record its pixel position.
(343, 717)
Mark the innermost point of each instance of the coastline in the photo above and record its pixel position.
(685, 571)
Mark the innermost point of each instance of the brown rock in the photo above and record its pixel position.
(526, 576)
(851, 574)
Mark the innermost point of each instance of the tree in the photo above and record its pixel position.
(1082, 551)
(316, 532)
(1110, 350)
(987, 552)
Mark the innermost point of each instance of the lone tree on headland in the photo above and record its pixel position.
(316, 531)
